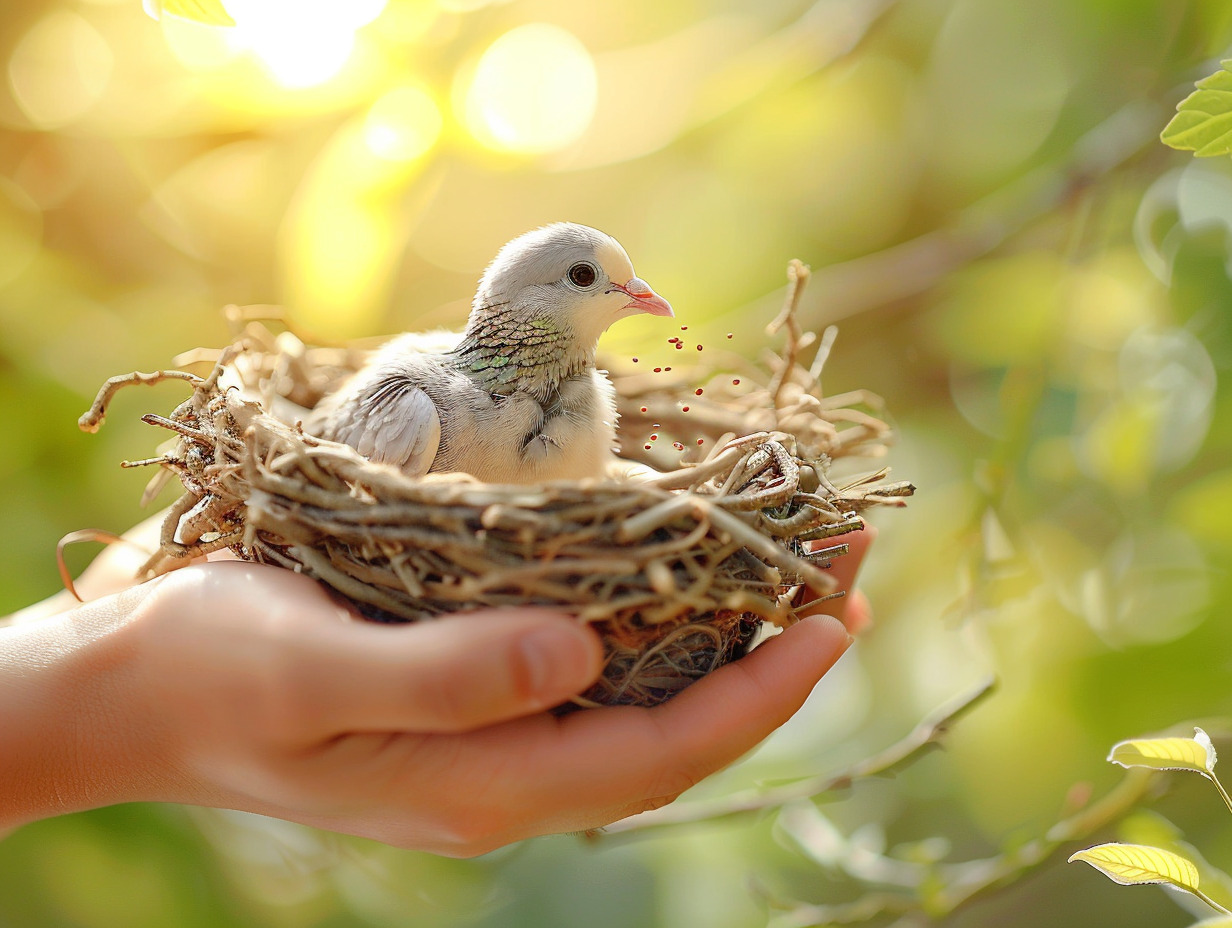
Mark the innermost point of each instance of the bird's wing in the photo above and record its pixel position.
(392, 421)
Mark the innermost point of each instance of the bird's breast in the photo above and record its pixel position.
(563, 433)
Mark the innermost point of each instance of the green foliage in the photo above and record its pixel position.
(1136, 864)
(1203, 120)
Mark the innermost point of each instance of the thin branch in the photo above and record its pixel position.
(94, 417)
(943, 888)
(915, 266)
(922, 737)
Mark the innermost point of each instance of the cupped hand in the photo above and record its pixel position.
(248, 687)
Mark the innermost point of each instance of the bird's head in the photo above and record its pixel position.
(568, 274)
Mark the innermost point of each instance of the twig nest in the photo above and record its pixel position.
(677, 568)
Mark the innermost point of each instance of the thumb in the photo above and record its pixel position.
(455, 673)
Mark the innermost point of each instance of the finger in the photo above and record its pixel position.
(451, 674)
(858, 616)
(844, 570)
(594, 767)
(327, 672)
(721, 718)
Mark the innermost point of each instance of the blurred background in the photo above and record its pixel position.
(1037, 288)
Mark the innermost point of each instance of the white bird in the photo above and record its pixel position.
(518, 398)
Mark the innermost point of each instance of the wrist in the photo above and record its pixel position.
(66, 721)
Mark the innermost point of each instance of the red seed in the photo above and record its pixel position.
(647, 447)
(701, 441)
(736, 382)
(684, 409)
(654, 436)
(729, 334)
(699, 347)
(678, 446)
(679, 345)
(698, 391)
(635, 360)
(684, 328)
(667, 368)
(643, 409)
(658, 370)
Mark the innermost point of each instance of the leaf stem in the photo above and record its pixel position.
(1208, 900)
(1223, 793)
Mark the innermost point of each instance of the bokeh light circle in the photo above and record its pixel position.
(533, 91)
(403, 124)
(60, 69)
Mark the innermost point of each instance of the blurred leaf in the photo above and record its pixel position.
(1135, 864)
(209, 12)
(1203, 120)
(1196, 753)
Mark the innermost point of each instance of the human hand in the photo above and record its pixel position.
(249, 687)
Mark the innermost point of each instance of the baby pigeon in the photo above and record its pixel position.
(517, 399)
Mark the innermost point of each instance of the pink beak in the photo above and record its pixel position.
(643, 298)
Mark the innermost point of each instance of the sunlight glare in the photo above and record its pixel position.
(533, 91)
(302, 43)
(198, 47)
(403, 124)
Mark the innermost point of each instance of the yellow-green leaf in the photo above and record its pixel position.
(1196, 753)
(1134, 864)
(1203, 120)
(210, 12)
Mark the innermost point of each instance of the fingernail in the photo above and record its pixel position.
(557, 660)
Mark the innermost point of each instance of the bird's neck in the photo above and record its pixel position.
(504, 350)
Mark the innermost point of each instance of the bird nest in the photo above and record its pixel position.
(677, 567)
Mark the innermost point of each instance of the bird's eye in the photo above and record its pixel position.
(582, 274)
